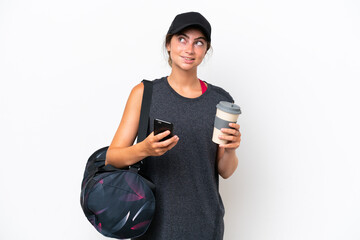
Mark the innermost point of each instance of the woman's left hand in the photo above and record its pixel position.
(234, 137)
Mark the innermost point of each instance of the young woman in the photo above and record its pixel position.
(186, 167)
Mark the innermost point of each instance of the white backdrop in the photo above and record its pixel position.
(66, 70)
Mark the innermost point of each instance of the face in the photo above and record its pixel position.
(187, 49)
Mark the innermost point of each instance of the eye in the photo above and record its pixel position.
(181, 39)
(199, 43)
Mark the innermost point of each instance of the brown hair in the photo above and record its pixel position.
(169, 37)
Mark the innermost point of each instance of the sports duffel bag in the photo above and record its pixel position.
(119, 203)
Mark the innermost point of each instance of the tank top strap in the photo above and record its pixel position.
(203, 86)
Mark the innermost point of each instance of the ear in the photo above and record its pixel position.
(168, 47)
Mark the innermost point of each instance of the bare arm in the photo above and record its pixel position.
(122, 152)
(227, 160)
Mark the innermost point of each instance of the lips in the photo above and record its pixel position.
(189, 58)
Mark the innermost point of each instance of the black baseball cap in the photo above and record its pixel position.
(184, 20)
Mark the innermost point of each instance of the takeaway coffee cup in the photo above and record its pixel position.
(226, 113)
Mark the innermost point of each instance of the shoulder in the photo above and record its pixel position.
(221, 92)
(138, 89)
(158, 81)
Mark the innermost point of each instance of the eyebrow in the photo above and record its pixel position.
(195, 38)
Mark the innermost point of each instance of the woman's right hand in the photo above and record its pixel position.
(153, 146)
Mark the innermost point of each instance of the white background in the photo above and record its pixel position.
(66, 70)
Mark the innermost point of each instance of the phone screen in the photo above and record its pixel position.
(161, 126)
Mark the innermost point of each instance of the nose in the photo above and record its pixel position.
(189, 48)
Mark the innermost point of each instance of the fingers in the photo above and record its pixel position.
(157, 139)
(230, 145)
(168, 142)
(162, 147)
(232, 135)
(233, 142)
(234, 125)
(173, 144)
(230, 138)
(233, 130)
(160, 136)
(157, 147)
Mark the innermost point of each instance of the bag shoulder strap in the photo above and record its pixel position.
(145, 110)
(144, 118)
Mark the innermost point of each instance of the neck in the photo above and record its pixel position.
(185, 79)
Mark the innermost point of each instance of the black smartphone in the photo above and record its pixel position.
(161, 126)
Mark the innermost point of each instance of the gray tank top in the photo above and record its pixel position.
(188, 203)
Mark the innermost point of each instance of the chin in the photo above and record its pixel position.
(187, 67)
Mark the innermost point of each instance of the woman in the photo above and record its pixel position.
(184, 168)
